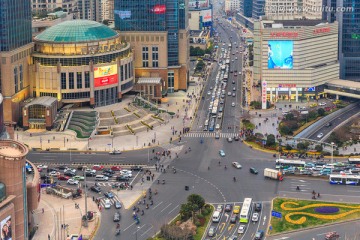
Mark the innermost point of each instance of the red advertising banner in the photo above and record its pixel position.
(105, 75)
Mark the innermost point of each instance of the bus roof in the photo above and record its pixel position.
(246, 206)
(344, 176)
(290, 161)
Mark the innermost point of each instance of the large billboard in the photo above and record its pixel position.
(198, 4)
(105, 75)
(280, 54)
(6, 229)
(206, 15)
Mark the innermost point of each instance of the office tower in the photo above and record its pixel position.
(90, 10)
(258, 8)
(158, 31)
(15, 51)
(246, 7)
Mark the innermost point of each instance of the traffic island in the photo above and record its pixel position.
(294, 214)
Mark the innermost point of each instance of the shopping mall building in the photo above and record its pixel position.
(81, 61)
(294, 59)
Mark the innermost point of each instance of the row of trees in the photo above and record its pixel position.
(197, 51)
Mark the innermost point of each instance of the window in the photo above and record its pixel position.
(155, 56)
(170, 82)
(145, 57)
(122, 73)
(126, 71)
(71, 80)
(79, 80)
(63, 80)
(87, 79)
(21, 76)
(16, 80)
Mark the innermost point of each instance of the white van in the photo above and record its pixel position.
(217, 126)
(101, 178)
(207, 122)
(216, 217)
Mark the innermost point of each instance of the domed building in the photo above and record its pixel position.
(82, 61)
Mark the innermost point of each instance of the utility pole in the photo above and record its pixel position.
(85, 188)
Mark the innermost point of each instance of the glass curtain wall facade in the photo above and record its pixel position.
(350, 40)
(258, 8)
(172, 22)
(140, 15)
(15, 24)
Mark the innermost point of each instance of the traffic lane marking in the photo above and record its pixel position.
(157, 205)
(147, 231)
(166, 207)
(138, 229)
(173, 209)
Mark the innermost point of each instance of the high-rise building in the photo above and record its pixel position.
(293, 9)
(41, 6)
(158, 31)
(90, 10)
(15, 51)
(231, 6)
(246, 7)
(258, 8)
(107, 9)
(349, 39)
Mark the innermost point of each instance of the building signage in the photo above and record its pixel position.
(206, 15)
(276, 214)
(105, 75)
(322, 30)
(287, 85)
(159, 9)
(198, 4)
(284, 34)
(263, 94)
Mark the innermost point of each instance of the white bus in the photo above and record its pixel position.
(223, 67)
(354, 160)
(344, 179)
(229, 45)
(285, 164)
(246, 210)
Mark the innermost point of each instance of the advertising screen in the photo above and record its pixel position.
(123, 14)
(280, 54)
(198, 3)
(206, 15)
(6, 227)
(105, 75)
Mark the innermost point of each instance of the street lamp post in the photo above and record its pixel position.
(86, 210)
(332, 152)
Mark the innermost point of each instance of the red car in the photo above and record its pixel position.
(64, 178)
(98, 167)
(116, 168)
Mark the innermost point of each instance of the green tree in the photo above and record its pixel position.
(318, 148)
(285, 130)
(321, 112)
(289, 116)
(301, 146)
(288, 147)
(312, 115)
(200, 65)
(186, 211)
(270, 140)
(255, 104)
(105, 22)
(196, 200)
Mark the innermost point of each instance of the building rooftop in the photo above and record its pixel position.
(149, 80)
(44, 101)
(292, 23)
(76, 31)
(12, 149)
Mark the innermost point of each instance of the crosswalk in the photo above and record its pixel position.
(210, 135)
(112, 200)
(303, 185)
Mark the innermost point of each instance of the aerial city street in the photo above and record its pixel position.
(173, 119)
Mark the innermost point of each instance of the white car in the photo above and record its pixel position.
(208, 93)
(233, 104)
(229, 93)
(88, 170)
(42, 166)
(219, 208)
(126, 173)
(107, 204)
(54, 173)
(320, 135)
(322, 104)
(72, 182)
(255, 217)
(236, 165)
(69, 170)
(242, 229)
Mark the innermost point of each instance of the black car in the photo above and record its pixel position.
(228, 207)
(108, 171)
(43, 176)
(329, 124)
(233, 218)
(69, 174)
(236, 138)
(122, 179)
(52, 170)
(62, 167)
(253, 171)
(117, 217)
(109, 175)
(258, 207)
(259, 235)
(136, 168)
(95, 189)
(89, 174)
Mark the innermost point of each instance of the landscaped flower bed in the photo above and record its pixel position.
(297, 214)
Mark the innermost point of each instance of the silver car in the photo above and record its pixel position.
(242, 229)
(211, 231)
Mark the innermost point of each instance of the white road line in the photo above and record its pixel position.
(146, 231)
(157, 205)
(129, 226)
(166, 207)
(139, 229)
(349, 191)
(173, 209)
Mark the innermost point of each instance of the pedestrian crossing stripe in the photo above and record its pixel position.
(112, 200)
(210, 134)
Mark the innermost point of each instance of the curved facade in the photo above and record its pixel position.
(1, 115)
(15, 208)
(82, 61)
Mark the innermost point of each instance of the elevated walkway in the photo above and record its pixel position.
(343, 88)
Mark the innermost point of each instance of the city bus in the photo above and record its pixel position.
(246, 210)
(354, 160)
(344, 179)
(285, 164)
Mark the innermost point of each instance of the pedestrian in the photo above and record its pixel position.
(93, 198)
(43, 210)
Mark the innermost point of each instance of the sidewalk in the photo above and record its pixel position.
(183, 104)
(58, 211)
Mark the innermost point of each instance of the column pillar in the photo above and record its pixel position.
(276, 94)
(337, 97)
(92, 88)
(297, 95)
(271, 95)
(289, 94)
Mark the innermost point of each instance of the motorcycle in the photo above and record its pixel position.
(117, 233)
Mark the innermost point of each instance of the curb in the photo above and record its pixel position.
(97, 227)
(136, 200)
(260, 149)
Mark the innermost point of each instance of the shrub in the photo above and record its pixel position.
(255, 104)
(136, 114)
(270, 140)
(127, 109)
(147, 125)
(321, 112)
(318, 148)
(130, 129)
(159, 118)
(288, 147)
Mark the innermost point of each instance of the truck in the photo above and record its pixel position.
(273, 174)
